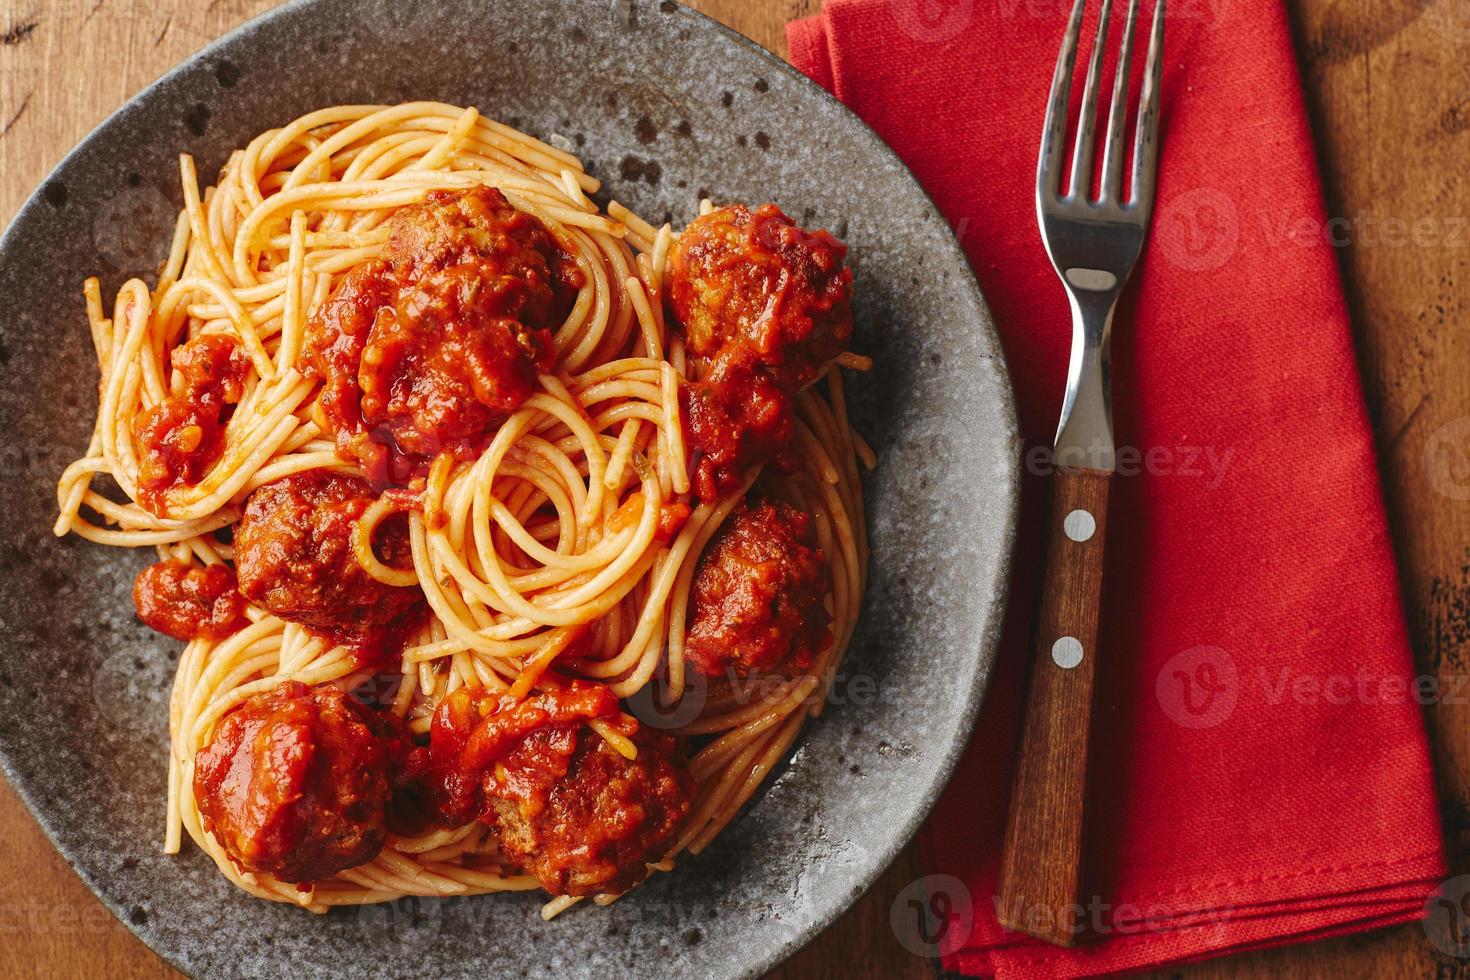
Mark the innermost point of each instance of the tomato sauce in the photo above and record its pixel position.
(181, 436)
(672, 516)
(189, 602)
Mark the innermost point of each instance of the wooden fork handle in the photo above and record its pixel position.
(1041, 862)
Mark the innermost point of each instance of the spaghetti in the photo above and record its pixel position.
(561, 548)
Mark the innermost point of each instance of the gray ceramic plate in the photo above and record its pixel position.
(666, 106)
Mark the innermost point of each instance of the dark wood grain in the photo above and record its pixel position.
(1388, 84)
(1042, 858)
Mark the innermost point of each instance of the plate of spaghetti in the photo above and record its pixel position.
(516, 527)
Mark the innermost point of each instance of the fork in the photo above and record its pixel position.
(1094, 245)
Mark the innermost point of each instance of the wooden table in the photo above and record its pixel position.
(1389, 89)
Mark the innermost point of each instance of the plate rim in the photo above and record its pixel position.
(1008, 487)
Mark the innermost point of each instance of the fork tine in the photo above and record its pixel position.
(1054, 138)
(1112, 182)
(1146, 142)
(1087, 125)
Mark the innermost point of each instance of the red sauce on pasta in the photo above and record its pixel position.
(181, 436)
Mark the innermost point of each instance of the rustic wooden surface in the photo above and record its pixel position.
(1389, 88)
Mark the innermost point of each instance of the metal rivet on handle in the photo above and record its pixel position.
(1079, 525)
(1067, 652)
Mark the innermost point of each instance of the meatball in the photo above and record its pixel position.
(189, 602)
(567, 806)
(293, 550)
(453, 358)
(294, 783)
(472, 730)
(756, 281)
(758, 595)
(181, 436)
(594, 830)
(764, 305)
(425, 347)
(479, 226)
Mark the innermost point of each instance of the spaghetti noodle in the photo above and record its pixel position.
(563, 548)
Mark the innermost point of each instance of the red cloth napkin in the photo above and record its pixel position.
(1260, 767)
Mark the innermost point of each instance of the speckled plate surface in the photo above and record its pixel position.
(666, 106)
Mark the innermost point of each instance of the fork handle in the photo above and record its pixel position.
(1041, 863)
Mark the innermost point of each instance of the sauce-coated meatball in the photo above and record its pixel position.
(755, 280)
(294, 783)
(758, 595)
(568, 807)
(189, 602)
(425, 347)
(764, 305)
(294, 554)
(594, 830)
